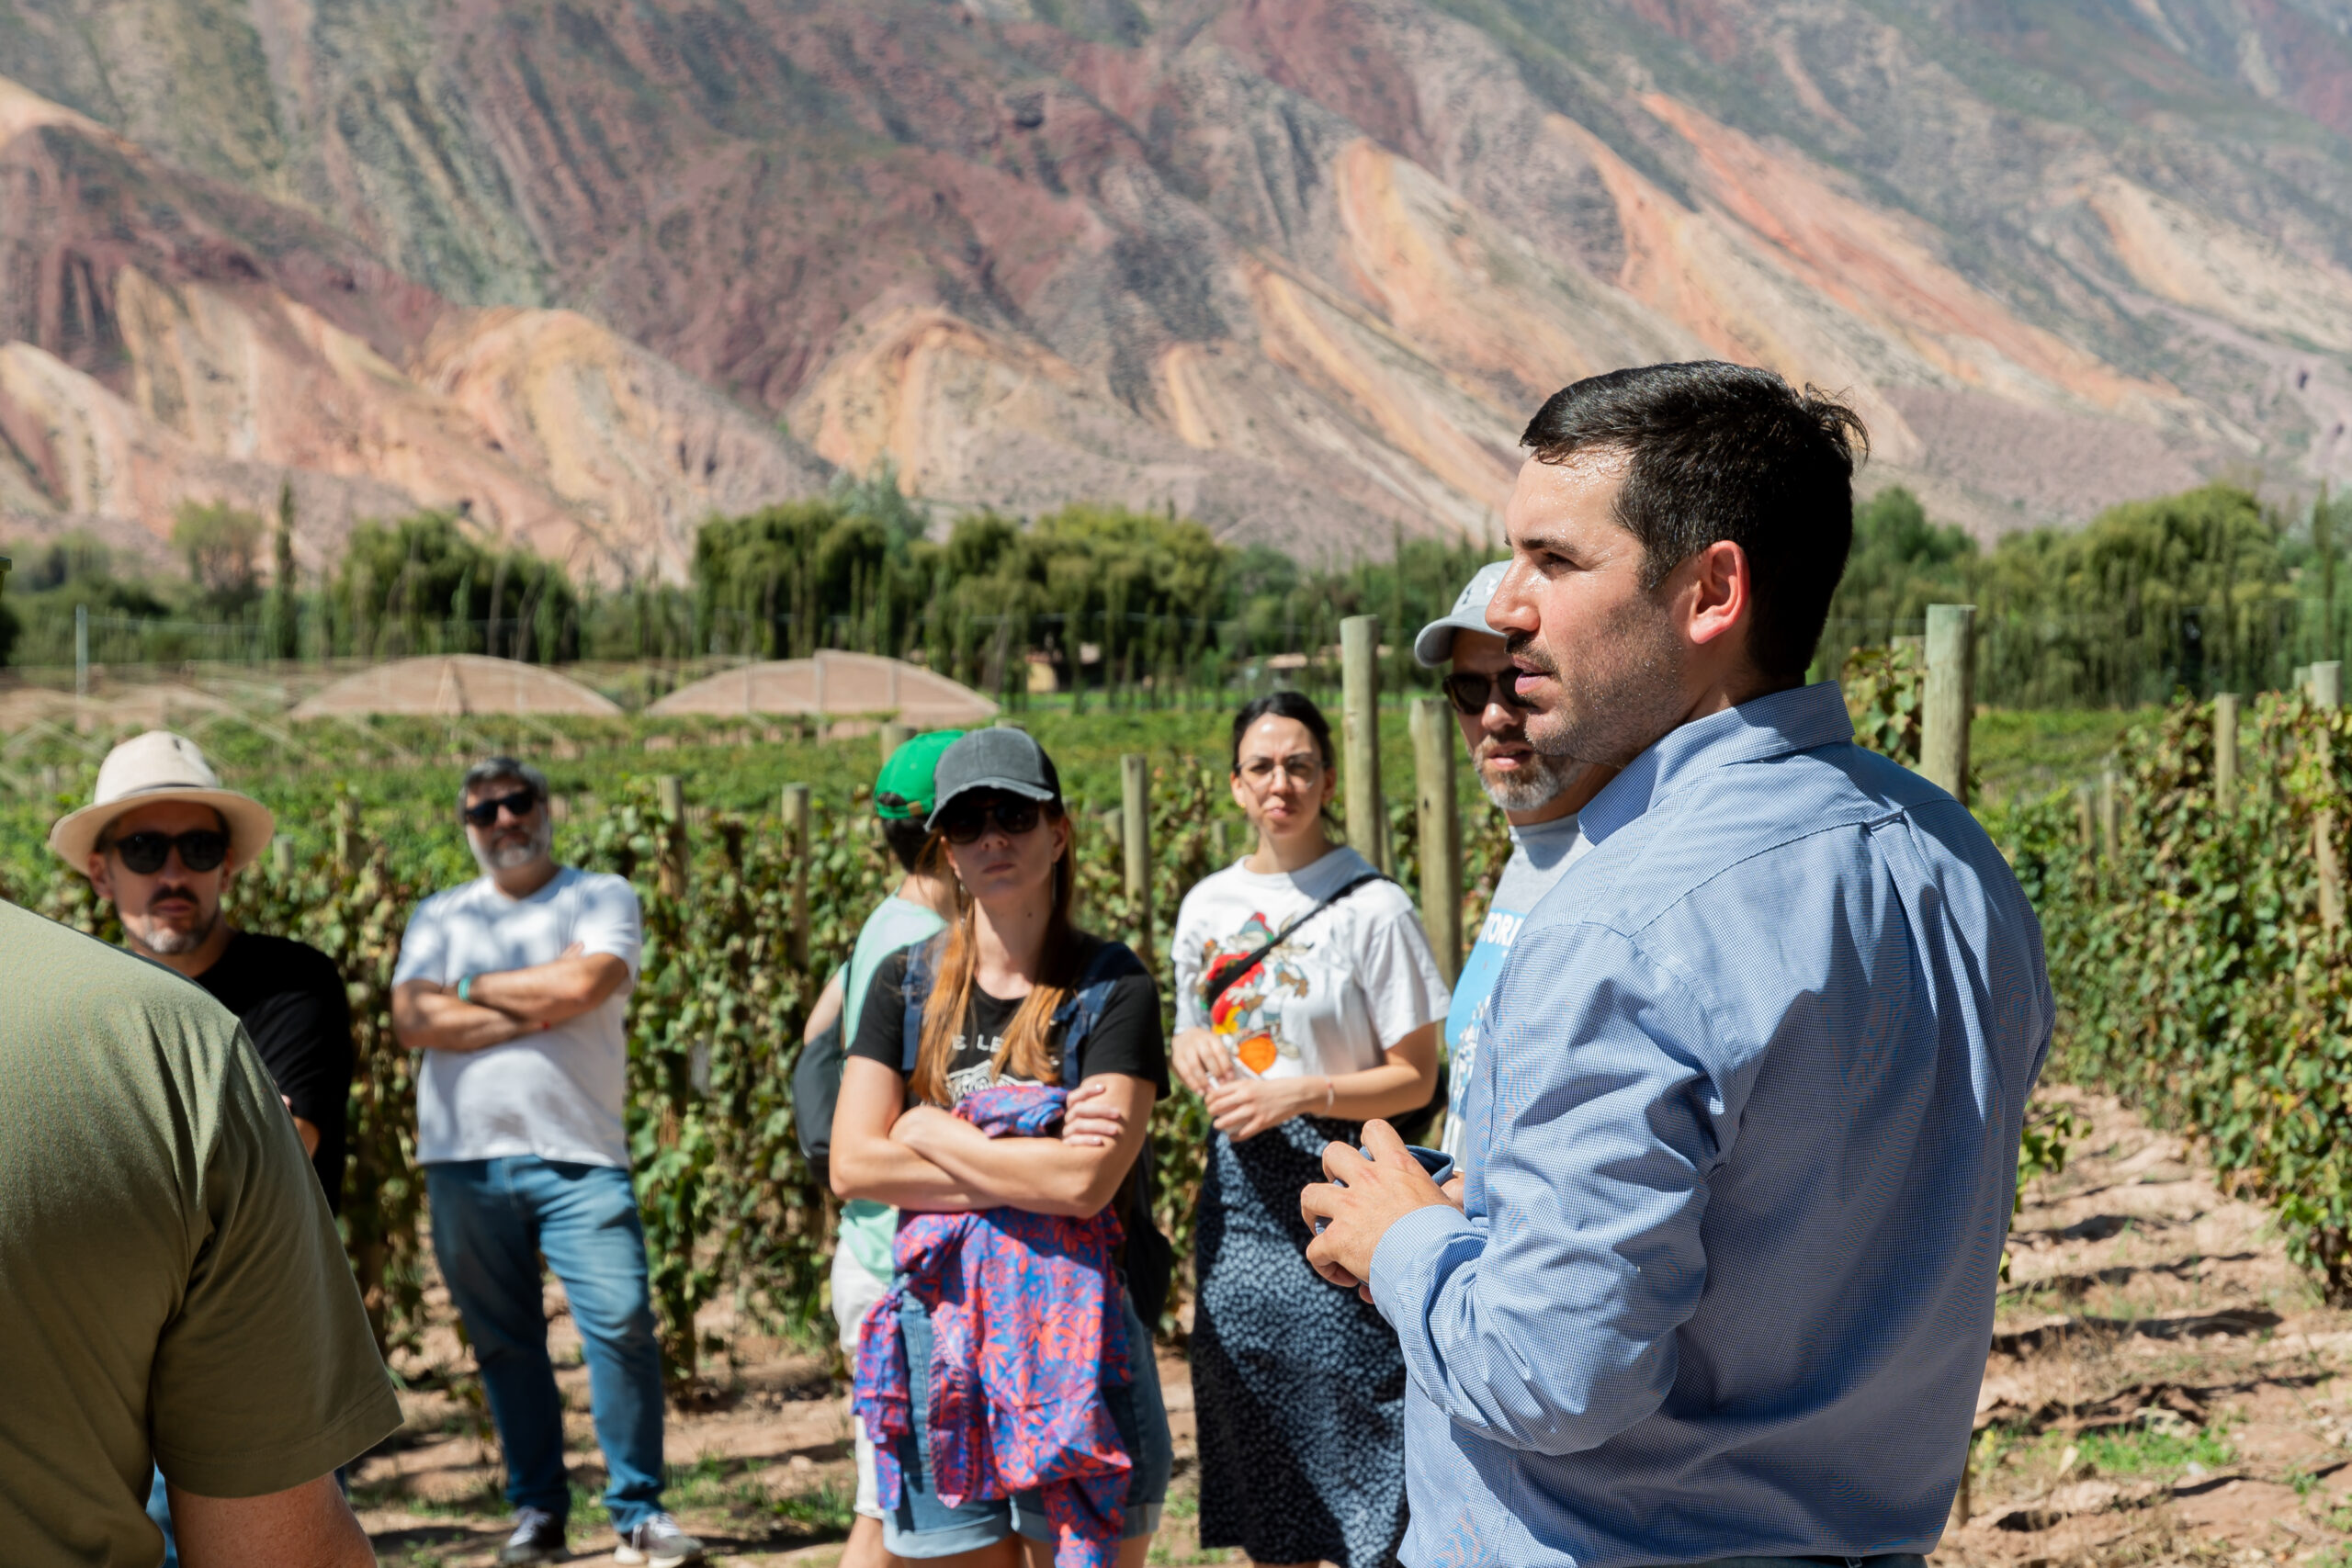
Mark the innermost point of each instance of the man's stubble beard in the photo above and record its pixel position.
(1607, 714)
(509, 856)
(168, 942)
(1535, 783)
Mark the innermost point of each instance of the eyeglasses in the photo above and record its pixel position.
(1013, 816)
(483, 813)
(1260, 770)
(201, 848)
(1470, 693)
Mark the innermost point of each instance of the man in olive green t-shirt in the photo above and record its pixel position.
(170, 1281)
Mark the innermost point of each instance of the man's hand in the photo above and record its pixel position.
(1092, 1118)
(1376, 1194)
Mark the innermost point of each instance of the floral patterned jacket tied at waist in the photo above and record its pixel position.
(1026, 1328)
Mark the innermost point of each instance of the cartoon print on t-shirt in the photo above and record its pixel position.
(1250, 1013)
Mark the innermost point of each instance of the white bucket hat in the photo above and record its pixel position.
(160, 765)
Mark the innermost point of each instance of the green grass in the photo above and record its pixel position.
(2036, 751)
(2151, 1450)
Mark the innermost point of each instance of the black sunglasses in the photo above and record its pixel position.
(519, 804)
(965, 822)
(201, 848)
(1471, 693)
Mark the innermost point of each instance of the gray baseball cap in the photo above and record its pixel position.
(1434, 646)
(1005, 760)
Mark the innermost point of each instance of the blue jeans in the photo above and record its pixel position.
(921, 1525)
(493, 1220)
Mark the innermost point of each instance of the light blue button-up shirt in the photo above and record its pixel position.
(1741, 1147)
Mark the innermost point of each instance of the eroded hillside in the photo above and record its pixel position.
(587, 271)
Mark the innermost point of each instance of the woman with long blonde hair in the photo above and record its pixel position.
(951, 1107)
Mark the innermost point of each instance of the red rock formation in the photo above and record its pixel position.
(1299, 267)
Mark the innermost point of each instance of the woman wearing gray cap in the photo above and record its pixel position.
(992, 1019)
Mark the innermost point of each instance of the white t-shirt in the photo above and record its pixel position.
(1540, 856)
(558, 1093)
(1356, 979)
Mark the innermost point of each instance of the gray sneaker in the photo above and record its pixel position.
(537, 1538)
(658, 1542)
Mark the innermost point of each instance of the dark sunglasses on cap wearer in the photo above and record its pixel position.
(1470, 693)
(519, 804)
(201, 848)
(967, 820)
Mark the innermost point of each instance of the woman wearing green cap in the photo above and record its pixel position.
(917, 910)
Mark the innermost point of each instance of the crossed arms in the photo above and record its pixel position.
(923, 1158)
(506, 1005)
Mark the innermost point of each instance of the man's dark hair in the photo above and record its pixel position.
(490, 769)
(1726, 452)
(906, 836)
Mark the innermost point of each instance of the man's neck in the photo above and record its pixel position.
(197, 959)
(1561, 805)
(936, 894)
(522, 880)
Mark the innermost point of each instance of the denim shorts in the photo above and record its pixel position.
(920, 1526)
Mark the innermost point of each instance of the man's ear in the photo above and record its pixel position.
(101, 876)
(1719, 591)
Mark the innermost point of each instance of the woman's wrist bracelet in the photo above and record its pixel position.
(1331, 1093)
(465, 988)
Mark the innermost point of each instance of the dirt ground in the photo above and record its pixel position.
(2162, 1388)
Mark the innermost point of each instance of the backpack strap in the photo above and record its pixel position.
(1075, 1018)
(1082, 1009)
(921, 959)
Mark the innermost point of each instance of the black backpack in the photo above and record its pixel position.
(815, 1089)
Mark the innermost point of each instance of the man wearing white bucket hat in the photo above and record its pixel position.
(160, 840)
(176, 1293)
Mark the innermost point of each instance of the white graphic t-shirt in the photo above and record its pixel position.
(1356, 979)
(558, 1093)
(1540, 856)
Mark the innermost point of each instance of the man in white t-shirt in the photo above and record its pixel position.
(514, 989)
(1540, 796)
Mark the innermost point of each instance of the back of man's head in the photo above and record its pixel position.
(1726, 452)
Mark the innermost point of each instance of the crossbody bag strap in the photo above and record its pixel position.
(1226, 975)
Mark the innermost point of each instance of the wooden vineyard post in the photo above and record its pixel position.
(672, 793)
(1439, 813)
(281, 857)
(2328, 695)
(2225, 752)
(2085, 819)
(1360, 716)
(803, 852)
(1135, 841)
(2107, 826)
(895, 735)
(1950, 697)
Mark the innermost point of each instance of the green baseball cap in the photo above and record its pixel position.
(903, 787)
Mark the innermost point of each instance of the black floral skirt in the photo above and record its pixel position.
(1298, 1385)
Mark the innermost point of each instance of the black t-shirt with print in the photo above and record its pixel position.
(1126, 1039)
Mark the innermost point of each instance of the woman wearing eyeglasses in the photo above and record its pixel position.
(1299, 1387)
(1013, 1250)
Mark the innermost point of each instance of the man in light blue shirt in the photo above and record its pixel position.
(1742, 1147)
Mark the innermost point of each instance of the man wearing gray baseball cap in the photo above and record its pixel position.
(1538, 793)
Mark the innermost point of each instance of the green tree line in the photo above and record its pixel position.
(2208, 589)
